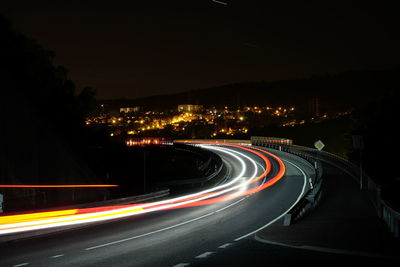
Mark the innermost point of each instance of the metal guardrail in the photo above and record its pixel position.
(307, 155)
(129, 200)
(311, 199)
(119, 201)
(271, 140)
(384, 211)
(210, 168)
(390, 216)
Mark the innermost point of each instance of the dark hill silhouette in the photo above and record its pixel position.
(42, 123)
(339, 91)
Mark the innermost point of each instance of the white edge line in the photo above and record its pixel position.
(220, 2)
(180, 224)
(166, 228)
(149, 233)
(225, 245)
(57, 256)
(181, 264)
(283, 214)
(323, 249)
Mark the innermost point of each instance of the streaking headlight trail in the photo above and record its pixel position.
(236, 187)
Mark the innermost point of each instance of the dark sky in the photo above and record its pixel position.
(140, 48)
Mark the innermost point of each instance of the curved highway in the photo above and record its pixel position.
(261, 187)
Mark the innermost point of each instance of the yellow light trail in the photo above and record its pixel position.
(56, 186)
(41, 220)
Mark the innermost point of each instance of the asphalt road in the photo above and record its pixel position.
(171, 237)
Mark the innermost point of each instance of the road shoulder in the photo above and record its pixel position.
(344, 222)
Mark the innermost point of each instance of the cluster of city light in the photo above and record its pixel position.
(238, 186)
(140, 121)
(148, 141)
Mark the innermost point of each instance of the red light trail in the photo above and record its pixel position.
(42, 220)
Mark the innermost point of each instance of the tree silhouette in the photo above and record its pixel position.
(28, 77)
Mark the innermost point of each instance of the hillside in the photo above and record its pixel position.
(340, 91)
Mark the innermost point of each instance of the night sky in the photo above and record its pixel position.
(139, 48)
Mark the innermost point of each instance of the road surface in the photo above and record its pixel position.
(176, 236)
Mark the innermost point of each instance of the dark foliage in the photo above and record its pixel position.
(378, 122)
(28, 77)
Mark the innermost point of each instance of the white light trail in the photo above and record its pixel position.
(139, 209)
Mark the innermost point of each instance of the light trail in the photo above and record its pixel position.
(56, 186)
(37, 221)
(115, 213)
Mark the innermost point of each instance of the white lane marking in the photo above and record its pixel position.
(225, 245)
(164, 229)
(265, 177)
(323, 249)
(241, 154)
(203, 216)
(204, 255)
(230, 205)
(220, 2)
(283, 214)
(262, 167)
(57, 256)
(181, 264)
(150, 233)
(86, 218)
(21, 264)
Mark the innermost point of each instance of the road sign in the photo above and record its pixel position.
(319, 145)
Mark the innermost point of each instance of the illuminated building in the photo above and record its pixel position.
(127, 110)
(190, 108)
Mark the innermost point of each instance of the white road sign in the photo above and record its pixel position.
(319, 145)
